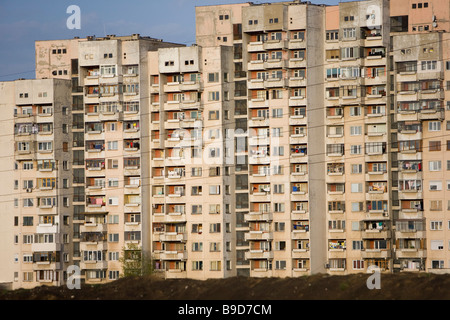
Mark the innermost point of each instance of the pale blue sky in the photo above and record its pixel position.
(22, 22)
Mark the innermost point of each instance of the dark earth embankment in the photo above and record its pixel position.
(401, 286)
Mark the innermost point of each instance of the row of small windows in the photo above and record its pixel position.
(59, 51)
(420, 5)
(255, 22)
(171, 63)
(40, 95)
(105, 56)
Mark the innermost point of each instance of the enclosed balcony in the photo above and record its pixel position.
(335, 169)
(95, 164)
(95, 146)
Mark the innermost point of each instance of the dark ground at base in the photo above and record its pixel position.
(402, 286)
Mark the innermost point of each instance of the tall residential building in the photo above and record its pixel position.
(291, 139)
(110, 149)
(36, 119)
(192, 183)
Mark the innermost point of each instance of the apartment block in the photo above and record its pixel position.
(291, 139)
(110, 150)
(191, 178)
(36, 116)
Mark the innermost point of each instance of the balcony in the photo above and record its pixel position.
(297, 82)
(170, 255)
(275, 83)
(93, 265)
(297, 101)
(298, 138)
(258, 235)
(296, 44)
(406, 253)
(191, 105)
(172, 87)
(256, 65)
(258, 254)
(296, 63)
(376, 234)
(191, 86)
(301, 234)
(258, 122)
(93, 227)
(255, 46)
(297, 120)
(172, 237)
(169, 218)
(274, 44)
(274, 64)
(46, 247)
(407, 76)
(46, 265)
(256, 84)
(258, 216)
(376, 254)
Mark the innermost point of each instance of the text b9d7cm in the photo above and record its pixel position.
(226, 310)
(246, 309)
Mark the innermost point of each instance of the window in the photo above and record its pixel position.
(113, 145)
(279, 207)
(434, 126)
(357, 206)
(355, 130)
(45, 146)
(358, 264)
(435, 225)
(435, 165)
(434, 146)
(437, 244)
(333, 73)
(113, 237)
(213, 96)
(355, 149)
(213, 77)
(108, 70)
(435, 205)
(356, 168)
(349, 33)
(213, 115)
(355, 111)
(27, 221)
(356, 187)
(332, 35)
(196, 172)
(214, 228)
(349, 53)
(277, 94)
(435, 185)
(357, 245)
(428, 65)
(27, 203)
(214, 190)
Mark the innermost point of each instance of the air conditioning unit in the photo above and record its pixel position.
(327, 266)
(29, 190)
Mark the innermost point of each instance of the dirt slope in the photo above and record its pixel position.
(318, 287)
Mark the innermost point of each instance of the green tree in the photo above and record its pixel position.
(135, 262)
